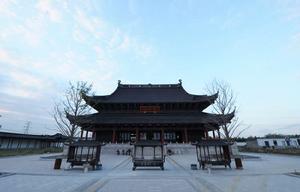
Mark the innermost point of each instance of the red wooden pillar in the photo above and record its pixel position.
(162, 136)
(114, 136)
(185, 135)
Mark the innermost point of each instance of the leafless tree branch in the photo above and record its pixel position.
(73, 104)
(224, 105)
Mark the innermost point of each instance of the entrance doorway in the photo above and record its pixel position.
(168, 136)
(150, 135)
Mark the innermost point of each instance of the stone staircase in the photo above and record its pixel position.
(175, 148)
(111, 148)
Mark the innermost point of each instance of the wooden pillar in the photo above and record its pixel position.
(137, 134)
(162, 134)
(114, 136)
(206, 133)
(94, 135)
(185, 135)
(8, 141)
(86, 135)
(216, 149)
(81, 134)
(219, 134)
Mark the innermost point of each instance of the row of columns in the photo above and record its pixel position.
(184, 134)
(24, 143)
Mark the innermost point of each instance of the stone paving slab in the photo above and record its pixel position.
(147, 185)
(33, 174)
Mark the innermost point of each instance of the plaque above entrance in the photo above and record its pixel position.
(149, 109)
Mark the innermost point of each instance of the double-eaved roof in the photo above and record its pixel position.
(149, 94)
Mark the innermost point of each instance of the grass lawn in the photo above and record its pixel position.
(284, 151)
(15, 152)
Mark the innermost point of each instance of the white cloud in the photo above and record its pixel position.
(296, 38)
(2, 110)
(133, 7)
(232, 19)
(79, 36)
(140, 50)
(109, 37)
(105, 41)
(144, 51)
(115, 38)
(288, 9)
(291, 9)
(126, 43)
(26, 80)
(92, 25)
(28, 76)
(120, 41)
(25, 115)
(21, 82)
(294, 43)
(14, 61)
(101, 53)
(31, 31)
(20, 92)
(47, 7)
(5, 57)
(5, 8)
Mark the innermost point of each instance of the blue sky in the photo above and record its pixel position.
(253, 45)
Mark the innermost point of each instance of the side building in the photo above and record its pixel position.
(27, 141)
(163, 112)
(274, 143)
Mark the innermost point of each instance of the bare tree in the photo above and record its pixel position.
(224, 105)
(73, 104)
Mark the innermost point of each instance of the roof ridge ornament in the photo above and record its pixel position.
(180, 81)
(119, 82)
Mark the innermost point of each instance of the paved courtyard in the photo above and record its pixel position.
(266, 173)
